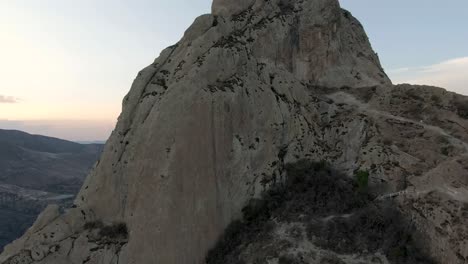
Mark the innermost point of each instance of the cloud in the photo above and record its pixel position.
(8, 99)
(451, 75)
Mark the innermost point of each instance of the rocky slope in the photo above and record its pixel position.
(36, 171)
(217, 119)
(319, 216)
(20, 207)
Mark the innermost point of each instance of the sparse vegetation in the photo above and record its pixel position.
(94, 225)
(373, 228)
(446, 150)
(286, 259)
(414, 94)
(310, 187)
(314, 191)
(461, 106)
(436, 99)
(330, 259)
(362, 180)
(114, 231)
(443, 140)
(387, 142)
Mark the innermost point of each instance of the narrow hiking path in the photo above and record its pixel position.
(331, 217)
(460, 195)
(342, 97)
(456, 194)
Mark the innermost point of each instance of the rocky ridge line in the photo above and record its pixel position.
(213, 122)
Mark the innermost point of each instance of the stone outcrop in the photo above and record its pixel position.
(213, 122)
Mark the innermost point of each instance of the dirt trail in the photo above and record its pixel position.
(331, 217)
(341, 97)
(456, 194)
(460, 195)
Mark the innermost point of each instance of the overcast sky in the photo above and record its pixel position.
(65, 65)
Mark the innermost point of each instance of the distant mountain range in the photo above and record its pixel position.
(36, 171)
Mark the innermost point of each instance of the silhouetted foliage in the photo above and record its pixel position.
(436, 99)
(313, 191)
(94, 225)
(461, 105)
(362, 180)
(114, 231)
(372, 228)
(289, 260)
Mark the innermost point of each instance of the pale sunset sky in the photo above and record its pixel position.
(65, 65)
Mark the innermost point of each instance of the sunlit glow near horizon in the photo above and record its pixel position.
(66, 65)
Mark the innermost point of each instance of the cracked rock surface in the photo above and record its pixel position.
(213, 122)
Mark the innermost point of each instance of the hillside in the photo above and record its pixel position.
(36, 171)
(44, 163)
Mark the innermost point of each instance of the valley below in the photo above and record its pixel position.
(36, 171)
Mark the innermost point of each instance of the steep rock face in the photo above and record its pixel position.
(213, 121)
(229, 8)
(315, 40)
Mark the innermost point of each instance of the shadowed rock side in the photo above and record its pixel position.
(211, 123)
(319, 216)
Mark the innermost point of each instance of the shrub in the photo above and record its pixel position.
(387, 142)
(362, 180)
(414, 94)
(330, 259)
(114, 231)
(446, 150)
(436, 99)
(310, 187)
(94, 225)
(286, 259)
(117, 230)
(311, 192)
(461, 105)
(373, 228)
(443, 140)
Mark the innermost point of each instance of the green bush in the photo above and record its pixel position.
(117, 230)
(314, 191)
(94, 225)
(114, 231)
(461, 105)
(436, 99)
(362, 180)
(310, 187)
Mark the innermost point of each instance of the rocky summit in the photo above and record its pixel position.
(214, 157)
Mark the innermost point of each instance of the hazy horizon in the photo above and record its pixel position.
(72, 130)
(67, 65)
